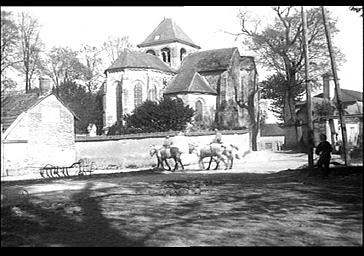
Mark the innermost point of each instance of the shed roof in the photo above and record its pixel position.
(168, 32)
(133, 59)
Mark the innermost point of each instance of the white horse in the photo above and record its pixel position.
(216, 152)
(165, 153)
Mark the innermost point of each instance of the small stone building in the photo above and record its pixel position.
(36, 130)
(271, 137)
(170, 63)
(352, 103)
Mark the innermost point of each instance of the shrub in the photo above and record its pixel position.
(164, 115)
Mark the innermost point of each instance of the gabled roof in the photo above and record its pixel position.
(167, 32)
(199, 84)
(204, 61)
(133, 59)
(14, 105)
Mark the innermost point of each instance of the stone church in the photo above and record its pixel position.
(170, 63)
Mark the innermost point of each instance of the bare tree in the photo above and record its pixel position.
(280, 47)
(114, 46)
(9, 37)
(250, 102)
(92, 59)
(30, 47)
(63, 66)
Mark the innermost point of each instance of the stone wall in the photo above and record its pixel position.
(45, 135)
(208, 104)
(134, 152)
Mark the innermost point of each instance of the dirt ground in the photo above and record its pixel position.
(151, 208)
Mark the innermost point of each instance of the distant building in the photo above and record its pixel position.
(352, 102)
(170, 63)
(36, 130)
(271, 137)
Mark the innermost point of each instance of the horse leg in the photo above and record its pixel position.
(217, 164)
(226, 164)
(176, 164)
(169, 168)
(200, 162)
(180, 161)
(231, 165)
(208, 167)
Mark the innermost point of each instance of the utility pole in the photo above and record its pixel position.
(337, 87)
(308, 93)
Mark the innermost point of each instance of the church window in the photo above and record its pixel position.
(166, 55)
(119, 101)
(138, 95)
(199, 107)
(157, 37)
(152, 94)
(182, 54)
(151, 52)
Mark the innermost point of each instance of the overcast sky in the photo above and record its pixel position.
(73, 26)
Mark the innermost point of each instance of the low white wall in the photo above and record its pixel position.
(128, 153)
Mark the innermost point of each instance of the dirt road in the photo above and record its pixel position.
(287, 208)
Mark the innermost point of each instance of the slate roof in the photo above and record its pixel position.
(203, 61)
(133, 59)
(271, 130)
(14, 105)
(167, 32)
(350, 95)
(199, 84)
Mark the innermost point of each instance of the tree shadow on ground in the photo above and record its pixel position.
(39, 226)
(231, 201)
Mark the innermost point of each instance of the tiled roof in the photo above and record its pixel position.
(350, 95)
(210, 60)
(199, 84)
(346, 95)
(167, 32)
(13, 105)
(271, 130)
(132, 59)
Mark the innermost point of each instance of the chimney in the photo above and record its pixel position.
(45, 86)
(328, 87)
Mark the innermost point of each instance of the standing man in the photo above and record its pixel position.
(324, 150)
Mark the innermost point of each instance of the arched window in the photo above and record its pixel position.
(182, 54)
(199, 107)
(151, 52)
(119, 102)
(138, 94)
(152, 93)
(166, 55)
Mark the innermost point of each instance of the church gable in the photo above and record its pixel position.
(168, 32)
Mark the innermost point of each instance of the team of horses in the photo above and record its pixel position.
(215, 151)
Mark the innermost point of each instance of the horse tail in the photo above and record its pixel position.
(234, 146)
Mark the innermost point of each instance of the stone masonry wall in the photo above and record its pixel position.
(50, 127)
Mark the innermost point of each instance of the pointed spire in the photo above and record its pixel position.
(167, 32)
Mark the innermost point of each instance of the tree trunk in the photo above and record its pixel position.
(27, 89)
(290, 119)
(253, 121)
